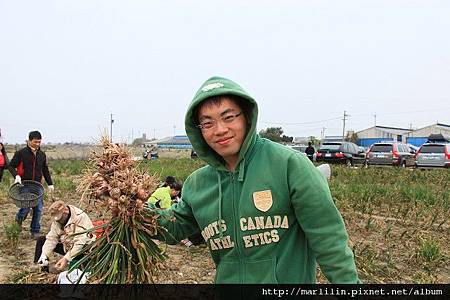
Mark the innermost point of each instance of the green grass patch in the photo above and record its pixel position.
(429, 250)
(180, 168)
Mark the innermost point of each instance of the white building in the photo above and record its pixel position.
(420, 136)
(377, 134)
(431, 129)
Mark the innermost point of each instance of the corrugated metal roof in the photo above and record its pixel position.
(178, 139)
(393, 130)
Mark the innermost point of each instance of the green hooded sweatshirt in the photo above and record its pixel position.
(271, 219)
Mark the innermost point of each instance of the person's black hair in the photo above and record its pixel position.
(176, 186)
(169, 180)
(243, 104)
(34, 135)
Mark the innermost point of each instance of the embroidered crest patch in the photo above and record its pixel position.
(212, 86)
(263, 200)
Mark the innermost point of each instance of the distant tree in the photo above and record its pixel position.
(352, 137)
(313, 140)
(287, 139)
(275, 134)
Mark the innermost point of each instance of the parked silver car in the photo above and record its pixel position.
(390, 154)
(433, 155)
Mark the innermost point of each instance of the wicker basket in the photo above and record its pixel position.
(26, 194)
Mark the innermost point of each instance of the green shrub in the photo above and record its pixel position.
(12, 233)
(429, 250)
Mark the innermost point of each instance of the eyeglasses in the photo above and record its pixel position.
(211, 123)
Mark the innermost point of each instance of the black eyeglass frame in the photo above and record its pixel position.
(225, 119)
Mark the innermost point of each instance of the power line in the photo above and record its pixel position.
(354, 115)
(400, 113)
(301, 123)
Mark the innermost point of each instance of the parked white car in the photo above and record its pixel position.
(433, 155)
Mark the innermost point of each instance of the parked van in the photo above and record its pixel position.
(390, 154)
(433, 155)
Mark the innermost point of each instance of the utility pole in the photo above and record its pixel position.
(322, 134)
(110, 132)
(375, 119)
(343, 127)
(154, 133)
(174, 130)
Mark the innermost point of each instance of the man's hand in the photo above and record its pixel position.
(18, 179)
(51, 188)
(61, 264)
(43, 261)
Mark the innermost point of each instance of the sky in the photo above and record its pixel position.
(66, 66)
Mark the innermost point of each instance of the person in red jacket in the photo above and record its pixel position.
(30, 163)
(3, 160)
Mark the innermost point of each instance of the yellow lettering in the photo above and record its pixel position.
(208, 230)
(207, 233)
(255, 239)
(213, 245)
(274, 235)
(247, 241)
(243, 226)
(204, 235)
(213, 229)
(261, 238)
(223, 225)
(214, 225)
(218, 243)
(251, 225)
(276, 221)
(269, 222)
(259, 222)
(285, 223)
(227, 243)
(267, 238)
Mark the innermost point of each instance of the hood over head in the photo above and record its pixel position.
(218, 86)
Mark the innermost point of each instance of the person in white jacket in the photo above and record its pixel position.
(67, 220)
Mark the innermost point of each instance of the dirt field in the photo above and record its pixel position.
(83, 152)
(185, 265)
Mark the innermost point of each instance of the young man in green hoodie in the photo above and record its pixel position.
(265, 212)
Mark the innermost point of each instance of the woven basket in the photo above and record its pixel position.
(26, 194)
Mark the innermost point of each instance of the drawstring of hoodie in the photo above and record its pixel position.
(219, 180)
(241, 170)
(220, 205)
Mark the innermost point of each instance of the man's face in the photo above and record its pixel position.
(224, 137)
(64, 216)
(35, 143)
(174, 192)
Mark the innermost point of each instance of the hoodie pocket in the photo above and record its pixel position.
(261, 271)
(228, 272)
(258, 272)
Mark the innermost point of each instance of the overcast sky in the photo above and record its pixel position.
(65, 66)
